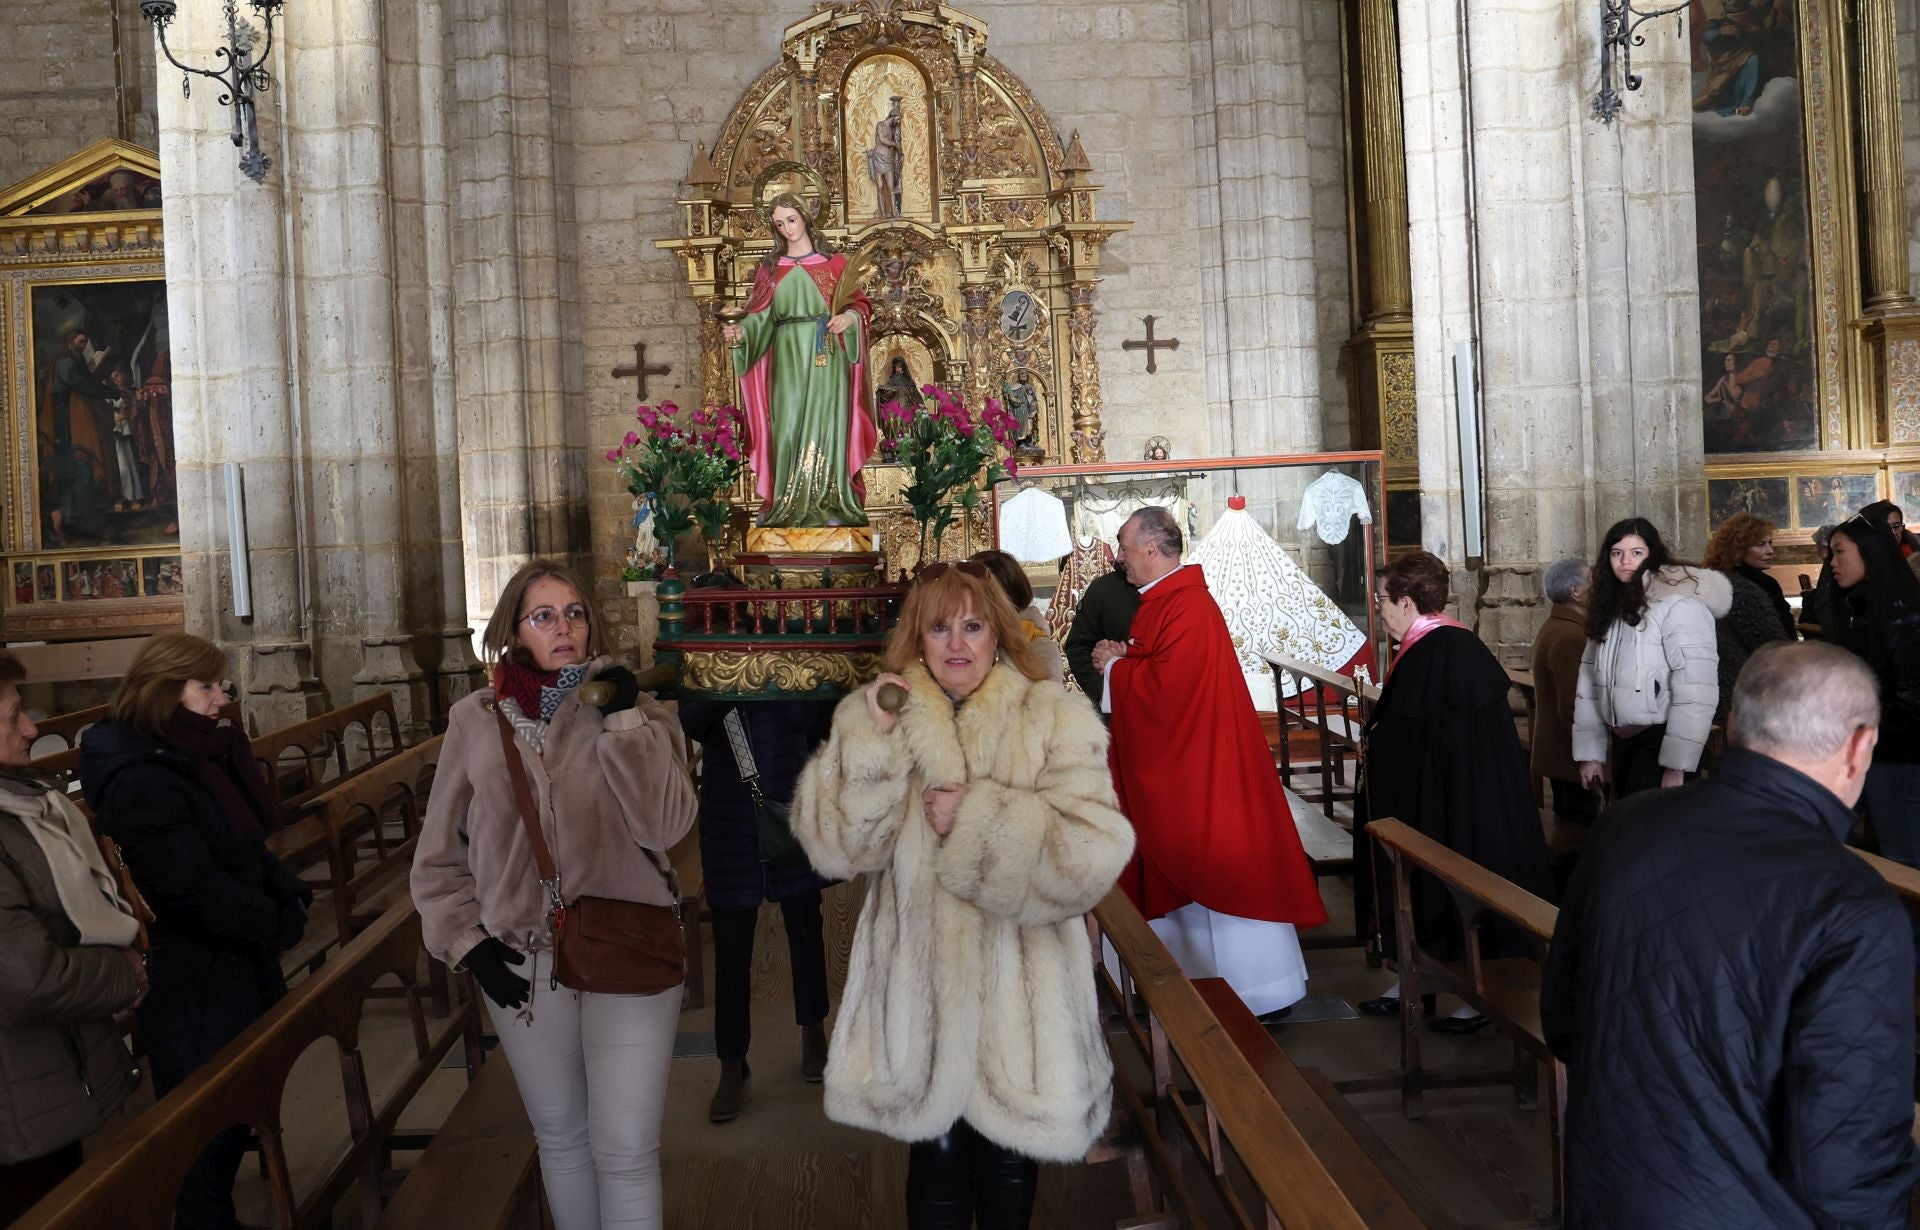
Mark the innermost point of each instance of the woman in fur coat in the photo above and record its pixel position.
(984, 817)
(1650, 674)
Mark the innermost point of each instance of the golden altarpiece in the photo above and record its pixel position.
(923, 153)
(89, 516)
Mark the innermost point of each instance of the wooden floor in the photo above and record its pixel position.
(1475, 1160)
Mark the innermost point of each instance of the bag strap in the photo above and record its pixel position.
(742, 747)
(530, 817)
(529, 814)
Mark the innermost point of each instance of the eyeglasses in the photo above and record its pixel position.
(933, 572)
(546, 617)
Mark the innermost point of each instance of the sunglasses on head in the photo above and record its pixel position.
(933, 572)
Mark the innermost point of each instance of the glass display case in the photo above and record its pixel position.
(1289, 545)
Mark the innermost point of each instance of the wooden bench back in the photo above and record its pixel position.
(303, 761)
(64, 766)
(1476, 892)
(129, 1183)
(65, 727)
(372, 824)
(1203, 1087)
(1333, 706)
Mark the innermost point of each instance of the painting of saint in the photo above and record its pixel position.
(1766, 498)
(46, 582)
(160, 576)
(118, 189)
(1753, 259)
(22, 583)
(103, 421)
(1829, 499)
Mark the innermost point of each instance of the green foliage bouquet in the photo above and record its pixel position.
(679, 466)
(950, 454)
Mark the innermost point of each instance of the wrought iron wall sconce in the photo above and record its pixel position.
(1620, 23)
(241, 73)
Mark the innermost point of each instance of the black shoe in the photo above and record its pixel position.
(1385, 1005)
(1276, 1016)
(1458, 1024)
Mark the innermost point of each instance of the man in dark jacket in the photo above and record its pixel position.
(1732, 989)
(1105, 613)
(1556, 676)
(779, 736)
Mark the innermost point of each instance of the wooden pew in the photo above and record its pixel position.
(359, 817)
(1224, 1134)
(64, 766)
(1506, 989)
(296, 759)
(129, 1182)
(481, 1172)
(66, 727)
(1330, 705)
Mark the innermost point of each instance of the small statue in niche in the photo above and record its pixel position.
(1022, 401)
(1158, 448)
(898, 389)
(886, 160)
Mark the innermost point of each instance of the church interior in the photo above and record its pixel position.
(1327, 284)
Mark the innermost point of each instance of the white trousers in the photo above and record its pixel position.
(1261, 961)
(592, 1071)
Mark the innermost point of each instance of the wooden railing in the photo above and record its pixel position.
(66, 727)
(1224, 1151)
(867, 612)
(1330, 705)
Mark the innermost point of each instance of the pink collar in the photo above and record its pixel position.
(1419, 628)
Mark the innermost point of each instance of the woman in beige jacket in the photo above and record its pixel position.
(984, 819)
(613, 793)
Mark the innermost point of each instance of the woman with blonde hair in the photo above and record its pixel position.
(609, 782)
(1741, 550)
(175, 785)
(983, 815)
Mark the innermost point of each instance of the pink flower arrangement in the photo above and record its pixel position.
(682, 463)
(950, 453)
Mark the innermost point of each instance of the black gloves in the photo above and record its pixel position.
(293, 926)
(487, 961)
(626, 689)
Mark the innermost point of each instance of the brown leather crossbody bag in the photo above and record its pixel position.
(601, 944)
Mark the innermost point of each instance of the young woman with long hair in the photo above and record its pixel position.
(1649, 677)
(1875, 612)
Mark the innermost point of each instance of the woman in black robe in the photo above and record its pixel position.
(1442, 757)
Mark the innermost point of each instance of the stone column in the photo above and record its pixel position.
(228, 324)
(1256, 220)
(516, 329)
(1882, 157)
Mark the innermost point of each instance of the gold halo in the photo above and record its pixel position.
(787, 166)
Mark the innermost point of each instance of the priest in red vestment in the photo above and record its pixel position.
(1218, 869)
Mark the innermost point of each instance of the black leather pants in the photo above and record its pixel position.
(956, 1178)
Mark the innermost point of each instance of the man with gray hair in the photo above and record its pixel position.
(1218, 869)
(1556, 678)
(1732, 988)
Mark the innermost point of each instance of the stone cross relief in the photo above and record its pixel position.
(1151, 344)
(640, 369)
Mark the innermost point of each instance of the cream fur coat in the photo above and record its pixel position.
(970, 989)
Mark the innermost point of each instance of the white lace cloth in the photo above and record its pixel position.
(1330, 505)
(1033, 526)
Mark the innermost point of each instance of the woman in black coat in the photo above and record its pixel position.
(780, 736)
(177, 788)
(1875, 612)
(1442, 757)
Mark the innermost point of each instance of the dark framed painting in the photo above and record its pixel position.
(1770, 499)
(1755, 263)
(1829, 499)
(23, 583)
(101, 427)
(1906, 491)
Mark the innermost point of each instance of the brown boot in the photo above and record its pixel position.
(736, 1081)
(813, 1052)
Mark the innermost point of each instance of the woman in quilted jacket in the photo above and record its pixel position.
(1650, 674)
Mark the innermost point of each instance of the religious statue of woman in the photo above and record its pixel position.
(803, 380)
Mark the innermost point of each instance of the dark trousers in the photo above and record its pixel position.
(1575, 803)
(733, 970)
(1636, 762)
(22, 1184)
(956, 1178)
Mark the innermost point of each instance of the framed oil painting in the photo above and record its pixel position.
(89, 490)
(102, 414)
(1767, 498)
(1829, 499)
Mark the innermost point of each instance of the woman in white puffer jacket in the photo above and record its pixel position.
(1650, 675)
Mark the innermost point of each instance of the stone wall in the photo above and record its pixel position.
(63, 84)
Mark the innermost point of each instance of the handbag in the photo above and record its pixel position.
(601, 944)
(778, 846)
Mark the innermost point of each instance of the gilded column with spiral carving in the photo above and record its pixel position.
(1882, 164)
(978, 327)
(1089, 437)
